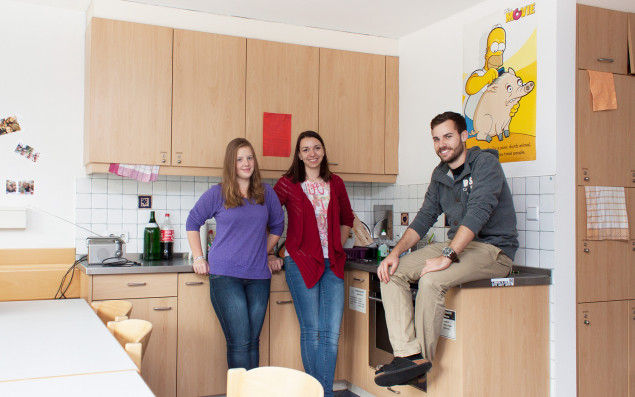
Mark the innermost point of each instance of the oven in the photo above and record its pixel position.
(379, 348)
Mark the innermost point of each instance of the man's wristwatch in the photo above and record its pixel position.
(450, 253)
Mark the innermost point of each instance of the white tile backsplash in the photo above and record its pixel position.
(99, 207)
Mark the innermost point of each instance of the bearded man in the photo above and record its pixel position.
(470, 188)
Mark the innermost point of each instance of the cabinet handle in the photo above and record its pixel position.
(162, 308)
(284, 302)
(136, 284)
(586, 251)
(334, 163)
(394, 391)
(178, 161)
(372, 298)
(586, 178)
(193, 282)
(163, 160)
(607, 60)
(361, 280)
(587, 322)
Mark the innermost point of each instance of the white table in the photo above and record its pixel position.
(54, 338)
(107, 384)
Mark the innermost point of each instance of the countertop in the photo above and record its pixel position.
(180, 263)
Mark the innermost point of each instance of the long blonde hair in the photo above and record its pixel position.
(231, 190)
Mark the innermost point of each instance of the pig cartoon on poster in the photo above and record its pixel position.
(498, 105)
(499, 98)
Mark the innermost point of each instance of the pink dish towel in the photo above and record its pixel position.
(140, 172)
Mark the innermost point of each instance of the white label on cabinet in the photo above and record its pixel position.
(448, 327)
(503, 282)
(357, 299)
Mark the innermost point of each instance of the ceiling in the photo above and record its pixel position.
(384, 18)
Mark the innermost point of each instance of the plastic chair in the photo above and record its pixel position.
(133, 335)
(112, 310)
(271, 382)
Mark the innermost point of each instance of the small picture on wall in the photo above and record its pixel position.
(8, 125)
(27, 152)
(12, 187)
(26, 187)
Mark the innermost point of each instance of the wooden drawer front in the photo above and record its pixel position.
(279, 282)
(134, 286)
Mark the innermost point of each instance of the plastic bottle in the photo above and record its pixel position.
(167, 238)
(152, 240)
(382, 250)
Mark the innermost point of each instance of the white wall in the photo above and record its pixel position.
(42, 80)
(431, 66)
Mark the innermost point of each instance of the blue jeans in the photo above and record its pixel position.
(319, 310)
(240, 305)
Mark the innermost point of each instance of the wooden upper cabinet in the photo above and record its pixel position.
(391, 153)
(281, 78)
(602, 39)
(352, 110)
(209, 97)
(128, 93)
(631, 48)
(604, 141)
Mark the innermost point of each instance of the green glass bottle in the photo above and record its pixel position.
(152, 240)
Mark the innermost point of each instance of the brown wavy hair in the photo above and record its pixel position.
(297, 172)
(231, 190)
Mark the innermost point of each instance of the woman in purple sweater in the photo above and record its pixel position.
(238, 266)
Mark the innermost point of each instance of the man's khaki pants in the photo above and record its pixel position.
(416, 330)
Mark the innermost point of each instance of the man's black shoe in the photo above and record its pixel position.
(400, 371)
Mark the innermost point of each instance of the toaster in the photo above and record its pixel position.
(102, 248)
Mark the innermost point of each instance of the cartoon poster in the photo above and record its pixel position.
(500, 82)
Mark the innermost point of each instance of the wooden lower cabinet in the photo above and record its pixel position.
(284, 338)
(631, 344)
(603, 348)
(158, 367)
(202, 351)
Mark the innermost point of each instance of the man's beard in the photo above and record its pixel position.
(456, 153)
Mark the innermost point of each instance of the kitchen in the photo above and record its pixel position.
(49, 93)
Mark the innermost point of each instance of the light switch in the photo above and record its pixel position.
(532, 213)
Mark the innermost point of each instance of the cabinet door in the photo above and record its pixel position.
(281, 78)
(158, 367)
(209, 97)
(631, 344)
(391, 153)
(603, 142)
(352, 110)
(202, 351)
(284, 338)
(603, 349)
(602, 39)
(128, 93)
(603, 267)
(353, 351)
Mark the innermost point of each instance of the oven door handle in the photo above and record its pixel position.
(372, 298)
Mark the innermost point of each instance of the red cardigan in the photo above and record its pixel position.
(303, 239)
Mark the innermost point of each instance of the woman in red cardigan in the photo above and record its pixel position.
(319, 220)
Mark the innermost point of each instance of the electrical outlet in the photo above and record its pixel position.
(122, 235)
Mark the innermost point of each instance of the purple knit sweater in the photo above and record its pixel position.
(240, 246)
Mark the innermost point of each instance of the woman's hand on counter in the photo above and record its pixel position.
(201, 266)
(275, 263)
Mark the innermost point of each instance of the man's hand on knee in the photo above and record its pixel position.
(387, 267)
(436, 264)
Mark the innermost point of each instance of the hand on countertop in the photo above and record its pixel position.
(200, 266)
(275, 263)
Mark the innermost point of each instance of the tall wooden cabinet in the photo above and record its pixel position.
(208, 107)
(281, 78)
(605, 156)
(128, 93)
